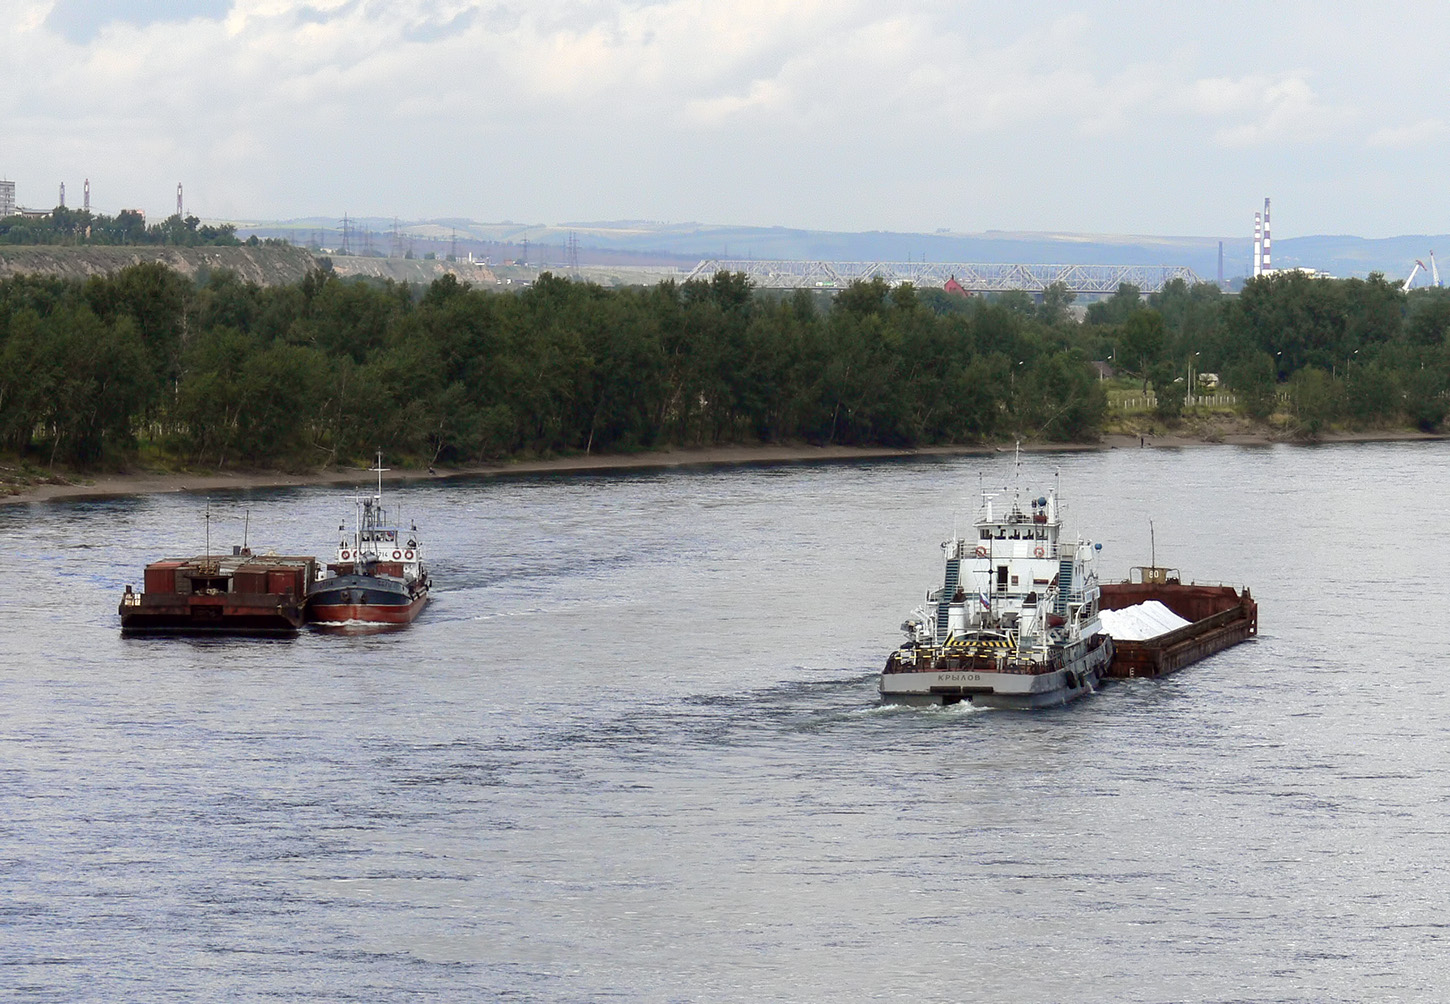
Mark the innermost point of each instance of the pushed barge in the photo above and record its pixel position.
(1015, 622)
(1218, 616)
(240, 593)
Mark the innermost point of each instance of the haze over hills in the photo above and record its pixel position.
(681, 245)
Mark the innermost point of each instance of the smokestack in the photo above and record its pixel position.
(1268, 266)
(1258, 244)
(1220, 264)
(87, 191)
(62, 195)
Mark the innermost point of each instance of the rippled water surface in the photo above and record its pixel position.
(633, 751)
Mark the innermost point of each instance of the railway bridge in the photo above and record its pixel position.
(974, 277)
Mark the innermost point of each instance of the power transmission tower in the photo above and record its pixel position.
(525, 259)
(180, 213)
(345, 247)
(452, 245)
(62, 195)
(396, 245)
(573, 251)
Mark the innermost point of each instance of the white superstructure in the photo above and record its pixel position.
(1015, 622)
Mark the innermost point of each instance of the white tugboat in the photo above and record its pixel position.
(1015, 622)
(378, 577)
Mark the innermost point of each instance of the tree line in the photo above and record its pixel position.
(1356, 352)
(70, 227)
(325, 370)
(220, 372)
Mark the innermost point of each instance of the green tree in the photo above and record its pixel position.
(1170, 390)
(1142, 343)
(1056, 299)
(1117, 308)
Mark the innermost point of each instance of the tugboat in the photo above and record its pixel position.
(378, 577)
(1015, 622)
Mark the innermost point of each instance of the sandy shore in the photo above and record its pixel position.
(103, 485)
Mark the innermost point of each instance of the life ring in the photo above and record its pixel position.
(981, 550)
(344, 555)
(397, 555)
(1038, 551)
(408, 555)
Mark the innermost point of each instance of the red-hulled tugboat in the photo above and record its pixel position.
(378, 577)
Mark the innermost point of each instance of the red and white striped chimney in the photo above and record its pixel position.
(1258, 245)
(1268, 260)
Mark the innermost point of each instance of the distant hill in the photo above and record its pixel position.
(262, 265)
(680, 245)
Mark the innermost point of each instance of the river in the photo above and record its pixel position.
(633, 751)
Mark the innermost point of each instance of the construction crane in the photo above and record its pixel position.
(1413, 272)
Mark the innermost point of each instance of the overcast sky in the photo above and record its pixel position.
(1119, 118)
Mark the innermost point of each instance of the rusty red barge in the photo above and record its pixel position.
(240, 593)
(1218, 617)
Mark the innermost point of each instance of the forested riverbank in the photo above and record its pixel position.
(150, 366)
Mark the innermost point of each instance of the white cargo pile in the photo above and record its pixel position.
(1141, 621)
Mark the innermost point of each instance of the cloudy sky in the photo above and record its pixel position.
(1124, 117)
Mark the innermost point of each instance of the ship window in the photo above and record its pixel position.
(986, 534)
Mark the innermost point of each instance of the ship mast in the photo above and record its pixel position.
(380, 469)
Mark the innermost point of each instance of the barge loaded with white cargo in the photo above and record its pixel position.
(1159, 624)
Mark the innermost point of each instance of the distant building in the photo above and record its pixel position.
(1105, 369)
(7, 198)
(954, 287)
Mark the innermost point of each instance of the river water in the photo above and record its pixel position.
(633, 751)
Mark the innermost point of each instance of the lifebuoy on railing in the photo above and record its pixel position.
(397, 555)
(1038, 551)
(981, 550)
(408, 555)
(344, 555)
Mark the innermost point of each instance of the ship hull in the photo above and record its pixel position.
(172, 614)
(933, 679)
(365, 599)
(1219, 617)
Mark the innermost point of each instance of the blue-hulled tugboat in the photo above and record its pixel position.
(378, 576)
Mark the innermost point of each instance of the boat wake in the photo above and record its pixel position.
(354, 627)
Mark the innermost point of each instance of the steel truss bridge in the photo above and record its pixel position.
(974, 277)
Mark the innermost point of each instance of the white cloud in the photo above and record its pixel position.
(849, 113)
(1420, 134)
(1263, 109)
